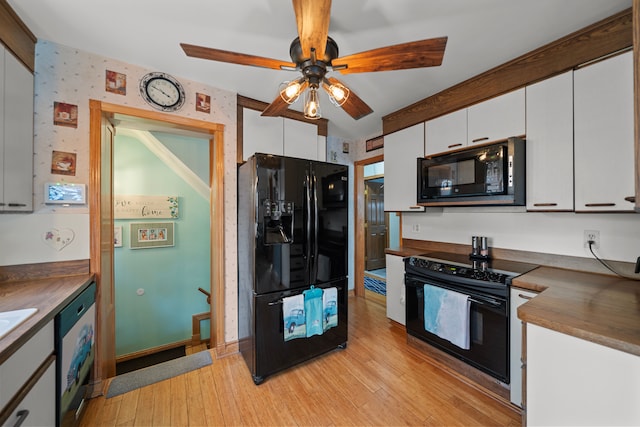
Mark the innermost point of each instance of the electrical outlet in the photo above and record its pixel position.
(592, 235)
(415, 228)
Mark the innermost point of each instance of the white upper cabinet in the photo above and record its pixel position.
(604, 141)
(280, 136)
(401, 151)
(497, 118)
(446, 133)
(550, 144)
(16, 135)
(300, 139)
(261, 134)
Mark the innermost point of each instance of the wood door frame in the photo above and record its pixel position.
(100, 110)
(358, 210)
(366, 224)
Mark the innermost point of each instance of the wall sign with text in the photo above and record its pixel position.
(132, 206)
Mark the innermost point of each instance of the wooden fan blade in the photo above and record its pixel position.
(279, 105)
(276, 108)
(312, 17)
(354, 106)
(234, 57)
(418, 54)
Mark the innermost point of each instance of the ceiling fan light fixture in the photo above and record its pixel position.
(338, 93)
(290, 91)
(311, 104)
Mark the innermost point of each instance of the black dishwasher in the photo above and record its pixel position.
(75, 350)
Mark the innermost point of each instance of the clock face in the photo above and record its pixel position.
(162, 91)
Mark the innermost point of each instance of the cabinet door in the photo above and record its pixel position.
(604, 159)
(401, 150)
(498, 118)
(446, 133)
(300, 139)
(550, 144)
(2, 74)
(38, 408)
(261, 134)
(395, 289)
(518, 297)
(18, 136)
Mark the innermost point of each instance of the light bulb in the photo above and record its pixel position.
(311, 105)
(290, 91)
(338, 93)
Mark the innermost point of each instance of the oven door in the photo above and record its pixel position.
(489, 329)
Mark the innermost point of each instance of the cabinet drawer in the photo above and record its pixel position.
(38, 407)
(24, 362)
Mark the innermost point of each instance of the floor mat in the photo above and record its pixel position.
(375, 285)
(153, 374)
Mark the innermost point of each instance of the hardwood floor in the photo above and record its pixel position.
(377, 380)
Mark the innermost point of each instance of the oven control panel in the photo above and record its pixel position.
(481, 271)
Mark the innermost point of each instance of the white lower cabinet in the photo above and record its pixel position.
(38, 408)
(16, 373)
(518, 297)
(575, 382)
(395, 289)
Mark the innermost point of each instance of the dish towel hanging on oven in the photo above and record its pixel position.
(447, 315)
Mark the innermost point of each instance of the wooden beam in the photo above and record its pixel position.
(16, 36)
(597, 40)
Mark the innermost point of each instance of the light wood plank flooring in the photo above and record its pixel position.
(377, 380)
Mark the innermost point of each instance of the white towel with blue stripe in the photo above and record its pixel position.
(447, 315)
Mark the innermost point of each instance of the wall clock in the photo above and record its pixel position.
(162, 91)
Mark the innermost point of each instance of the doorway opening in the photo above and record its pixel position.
(103, 119)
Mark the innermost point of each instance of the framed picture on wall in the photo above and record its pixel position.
(117, 236)
(151, 234)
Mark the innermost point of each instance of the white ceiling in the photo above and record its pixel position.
(482, 34)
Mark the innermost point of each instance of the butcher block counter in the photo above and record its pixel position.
(595, 307)
(47, 287)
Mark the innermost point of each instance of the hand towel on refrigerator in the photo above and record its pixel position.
(313, 311)
(447, 315)
(293, 317)
(330, 308)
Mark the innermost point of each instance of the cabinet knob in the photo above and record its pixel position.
(485, 138)
(545, 204)
(599, 205)
(630, 199)
(454, 145)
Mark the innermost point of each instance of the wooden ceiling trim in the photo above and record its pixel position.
(16, 36)
(599, 39)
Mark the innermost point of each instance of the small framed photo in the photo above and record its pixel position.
(203, 103)
(375, 143)
(117, 236)
(63, 163)
(151, 234)
(115, 82)
(65, 114)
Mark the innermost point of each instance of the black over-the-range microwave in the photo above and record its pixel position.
(492, 174)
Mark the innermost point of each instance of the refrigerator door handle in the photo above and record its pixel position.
(315, 231)
(307, 242)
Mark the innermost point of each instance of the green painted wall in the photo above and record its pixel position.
(170, 276)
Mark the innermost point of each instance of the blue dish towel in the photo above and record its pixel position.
(293, 317)
(313, 311)
(330, 308)
(447, 315)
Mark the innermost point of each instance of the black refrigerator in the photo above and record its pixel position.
(292, 243)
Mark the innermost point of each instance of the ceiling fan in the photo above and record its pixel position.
(314, 53)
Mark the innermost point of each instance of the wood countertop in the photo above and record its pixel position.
(49, 295)
(595, 307)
